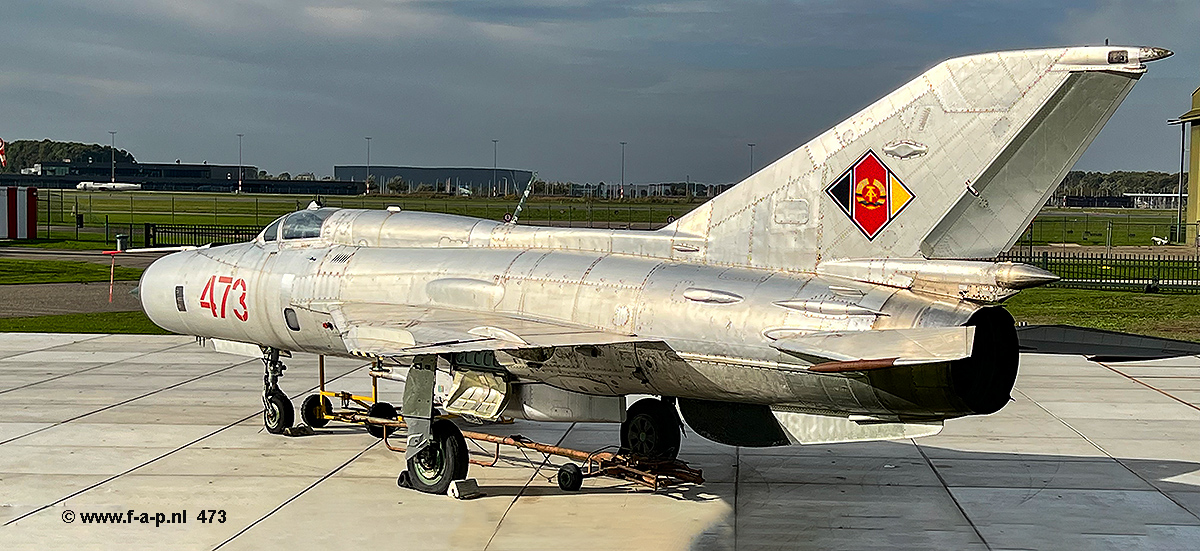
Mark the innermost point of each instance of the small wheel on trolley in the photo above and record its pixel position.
(314, 409)
(382, 410)
(277, 412)
(570, 477)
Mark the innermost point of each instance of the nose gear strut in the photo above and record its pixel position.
(278, 413)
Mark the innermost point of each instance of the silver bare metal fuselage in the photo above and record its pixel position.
(821, 297)
(704, 331)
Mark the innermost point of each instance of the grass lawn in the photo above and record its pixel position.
(102, 322)
(82, 244)
(1160, 315)
(137, 207)
(13, 271)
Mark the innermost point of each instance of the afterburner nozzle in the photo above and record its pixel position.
(1023, 276)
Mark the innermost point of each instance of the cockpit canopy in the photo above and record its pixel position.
(304, 224)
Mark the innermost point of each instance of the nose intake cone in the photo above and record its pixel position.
(1153, 54)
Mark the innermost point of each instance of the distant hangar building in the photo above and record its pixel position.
(172, 177)
(480, 181)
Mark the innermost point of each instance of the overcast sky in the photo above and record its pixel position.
(559, 83)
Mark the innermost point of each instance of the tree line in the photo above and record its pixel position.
(1117, 183)
(26, 153)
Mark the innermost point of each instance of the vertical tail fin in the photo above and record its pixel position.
(953, 164)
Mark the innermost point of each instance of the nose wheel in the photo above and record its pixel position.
(651, 429)
(278, 413)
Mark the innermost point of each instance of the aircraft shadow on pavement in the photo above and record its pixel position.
(857, 495)
(942, 498)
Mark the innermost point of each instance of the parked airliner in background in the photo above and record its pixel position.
(107, 186)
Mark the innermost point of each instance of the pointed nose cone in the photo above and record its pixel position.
(1024, 276)
(1153, 54)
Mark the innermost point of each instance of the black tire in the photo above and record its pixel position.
(570, 477)
(442, 462)
(314, 409)
(277, 413)
(651, 429)
(382, 410)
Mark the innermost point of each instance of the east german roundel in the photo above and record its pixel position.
(870, 194)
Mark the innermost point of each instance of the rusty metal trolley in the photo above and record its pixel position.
(653, 473)
(381, 420)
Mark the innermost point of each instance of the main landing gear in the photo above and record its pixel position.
(436, 452)
(443, 461)
(652, 429)
(277, 408)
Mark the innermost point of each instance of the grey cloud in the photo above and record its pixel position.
(687, 84)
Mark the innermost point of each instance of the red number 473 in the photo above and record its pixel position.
(208, 297)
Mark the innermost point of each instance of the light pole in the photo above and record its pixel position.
(494, 157)
(112, 153)
(751, 158)
(367, 178)
(240, 162)
(622, 168)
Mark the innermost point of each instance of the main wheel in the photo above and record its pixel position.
(570, 478)
(444, 460)
(651, 429)
(382, 410)
(277, 413)
(314, 409)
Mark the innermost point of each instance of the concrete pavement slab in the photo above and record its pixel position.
(1083, 458)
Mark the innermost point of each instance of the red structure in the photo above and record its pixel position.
(18, 217)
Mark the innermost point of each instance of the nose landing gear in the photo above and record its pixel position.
(278, 413)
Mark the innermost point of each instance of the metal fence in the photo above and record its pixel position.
(174, 235)
(1105, 230)
(1126, 272)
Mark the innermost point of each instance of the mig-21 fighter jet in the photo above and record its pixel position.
(831, 296)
